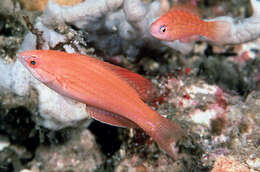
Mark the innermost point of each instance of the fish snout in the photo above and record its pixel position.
(22, 58)
(154, 31)
(160, 31)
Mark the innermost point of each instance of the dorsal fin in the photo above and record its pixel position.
(187, 7)
(143, 86)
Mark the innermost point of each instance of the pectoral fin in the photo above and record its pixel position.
(110, 118)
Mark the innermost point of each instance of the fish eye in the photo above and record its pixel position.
(163, 28)
(32, 61)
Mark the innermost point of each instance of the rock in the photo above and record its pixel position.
(81, 154)
(228, 164)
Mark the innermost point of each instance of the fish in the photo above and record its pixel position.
(112, 94)
(183, 23)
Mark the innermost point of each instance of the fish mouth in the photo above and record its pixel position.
(154, 31)
(22, 58)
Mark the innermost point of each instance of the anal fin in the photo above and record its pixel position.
(189, 39)
(110, 118)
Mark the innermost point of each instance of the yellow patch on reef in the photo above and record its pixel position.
(39, 5)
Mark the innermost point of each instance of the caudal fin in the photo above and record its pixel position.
(166, 135)
(217, 31)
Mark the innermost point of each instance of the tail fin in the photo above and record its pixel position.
(217, 31)
(166, 134)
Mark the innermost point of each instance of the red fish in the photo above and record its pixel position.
(113, 95)
(183, 23)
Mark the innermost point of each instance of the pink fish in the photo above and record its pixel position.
(183, 23)
(113, 95)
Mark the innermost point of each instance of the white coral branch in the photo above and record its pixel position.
(81, 13)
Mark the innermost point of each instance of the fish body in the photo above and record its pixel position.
(183, 23)
(112, 94)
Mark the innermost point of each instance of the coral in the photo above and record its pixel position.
(134, 163)
(7, 6)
